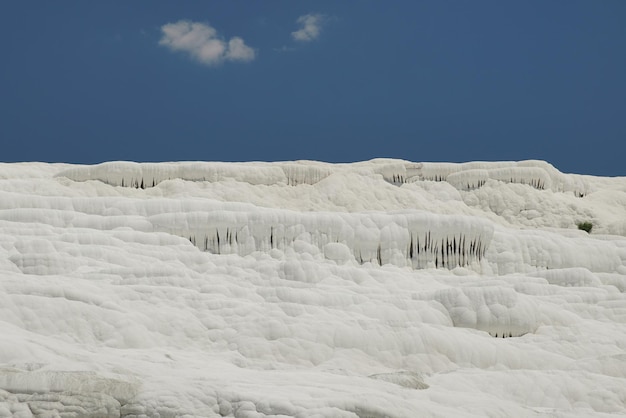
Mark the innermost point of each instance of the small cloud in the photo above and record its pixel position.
(201, 42)
(311, 26)
(238, 50)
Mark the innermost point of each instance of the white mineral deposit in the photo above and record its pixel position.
(384, 288)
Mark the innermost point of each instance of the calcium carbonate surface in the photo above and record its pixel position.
(384, 288)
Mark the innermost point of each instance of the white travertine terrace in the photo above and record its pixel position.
(384, 288)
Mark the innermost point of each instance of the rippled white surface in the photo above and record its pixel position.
(377, 289)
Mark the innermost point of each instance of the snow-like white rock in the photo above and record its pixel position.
(307, 289)
(498, 310)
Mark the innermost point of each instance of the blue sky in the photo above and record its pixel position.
(85, 82)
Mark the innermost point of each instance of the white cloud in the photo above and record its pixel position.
(201, 42)
(238, 50)
(311, 26)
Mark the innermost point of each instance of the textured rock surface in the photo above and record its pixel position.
(305, 289)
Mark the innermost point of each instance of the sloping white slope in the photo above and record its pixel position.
(377, 289)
